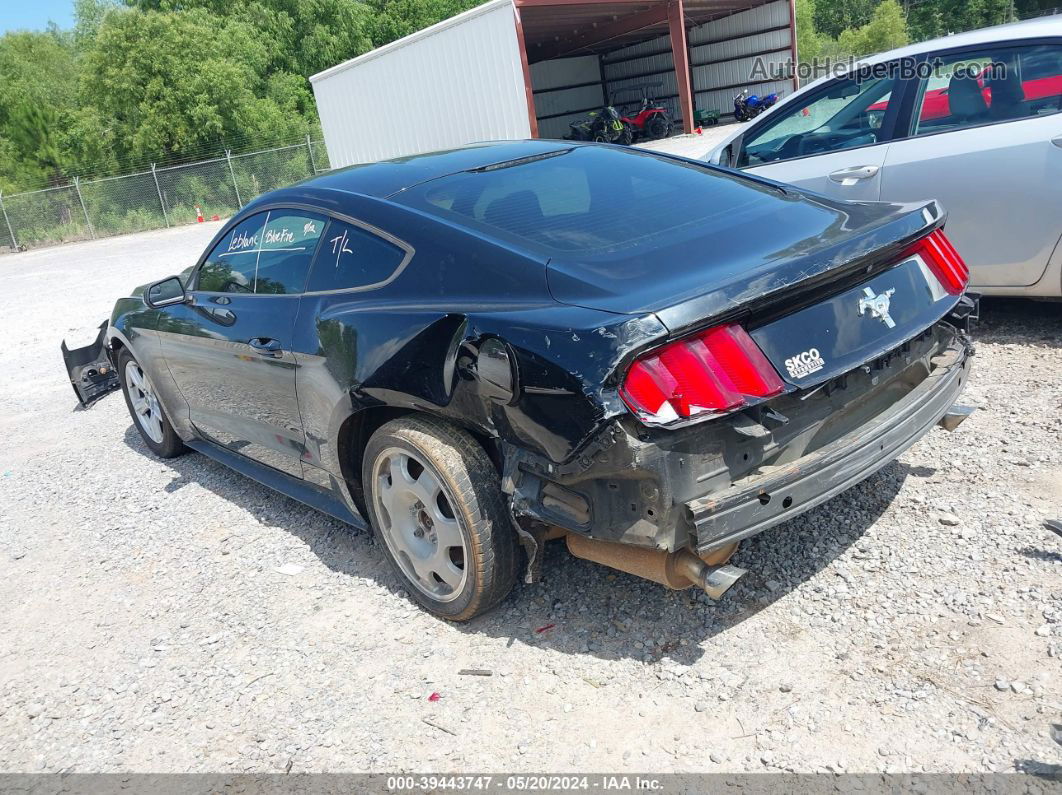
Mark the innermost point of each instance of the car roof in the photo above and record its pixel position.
(387, 177)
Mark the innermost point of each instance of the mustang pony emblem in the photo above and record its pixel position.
(878, 305)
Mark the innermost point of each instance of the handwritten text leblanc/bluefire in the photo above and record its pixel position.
(242, 240)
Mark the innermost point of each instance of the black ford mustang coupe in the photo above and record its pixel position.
(482, 349)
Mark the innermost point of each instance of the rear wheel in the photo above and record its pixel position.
(146, 409)
(435, 500)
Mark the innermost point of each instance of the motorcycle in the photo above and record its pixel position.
(748, 106)
(604, 126)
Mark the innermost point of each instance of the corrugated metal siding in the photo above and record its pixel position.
(733, 44)
(565, 72)
(630, 66)
(726, 47)
(458, 82)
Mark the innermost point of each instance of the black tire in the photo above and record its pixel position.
(472, 489)
(658, 127)
(169, 444)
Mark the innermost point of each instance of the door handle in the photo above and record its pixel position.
(850, 176)
(265, 346)
(1057, 141)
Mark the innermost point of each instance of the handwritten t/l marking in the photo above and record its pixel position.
(339, 246)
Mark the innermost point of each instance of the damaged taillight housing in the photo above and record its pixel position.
(706, 374)
(943, 260)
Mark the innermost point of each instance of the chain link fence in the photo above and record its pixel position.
(155, 199)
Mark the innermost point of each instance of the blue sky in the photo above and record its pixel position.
(35, 14)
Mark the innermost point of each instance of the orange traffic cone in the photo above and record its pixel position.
(198, 214)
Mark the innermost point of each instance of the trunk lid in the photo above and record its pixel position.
(821, 286)
(740, 258)
(841, 332)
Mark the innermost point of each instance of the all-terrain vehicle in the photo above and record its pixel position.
(603, 126)
(647, 118)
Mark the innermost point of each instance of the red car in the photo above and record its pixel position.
(935, 103)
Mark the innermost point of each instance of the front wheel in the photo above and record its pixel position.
(435, 500)
(146, 410)
(658, 127)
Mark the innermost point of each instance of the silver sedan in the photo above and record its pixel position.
(972, 120)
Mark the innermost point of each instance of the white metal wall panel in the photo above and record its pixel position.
(771, 15)
(565, 72)
(638, 60)
(570, 99)
(744, 45)
(728, 48)
(451, 84)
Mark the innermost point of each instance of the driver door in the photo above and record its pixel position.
(833, 141)
(230, 349)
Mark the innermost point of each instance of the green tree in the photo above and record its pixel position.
(886, 30)
(832, 17)
(183, 84)
(809, 40)
(941, 17)
(37, 97)
(394, 19)
(304, 36)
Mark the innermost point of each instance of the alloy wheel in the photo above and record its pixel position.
(144, 401)
(418, 524)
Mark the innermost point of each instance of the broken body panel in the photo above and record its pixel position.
(527, 350)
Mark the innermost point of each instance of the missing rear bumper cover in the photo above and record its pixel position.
(707, 486)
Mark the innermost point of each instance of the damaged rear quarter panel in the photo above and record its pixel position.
(417, 344)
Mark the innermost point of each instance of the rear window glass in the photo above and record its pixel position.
(586, 199)
(353, 257)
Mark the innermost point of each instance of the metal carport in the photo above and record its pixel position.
(526, 68)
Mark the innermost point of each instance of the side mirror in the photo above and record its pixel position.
(165, 293)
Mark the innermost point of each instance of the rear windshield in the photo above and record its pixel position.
(587, 199)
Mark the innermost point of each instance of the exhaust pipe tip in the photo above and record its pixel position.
(713, 580)
(955, 416)
(718, 581)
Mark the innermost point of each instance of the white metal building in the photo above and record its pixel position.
(526, 68)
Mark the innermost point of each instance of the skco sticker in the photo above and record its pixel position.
(804, 364)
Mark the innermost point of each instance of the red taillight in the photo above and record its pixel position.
(709, 373)
(942, 258)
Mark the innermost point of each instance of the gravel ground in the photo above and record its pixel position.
(174, 616)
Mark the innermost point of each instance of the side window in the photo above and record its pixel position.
(288, 243)
(998, 84)
(351, 256)
(268, 253)
(847, 114)
(231, 265)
